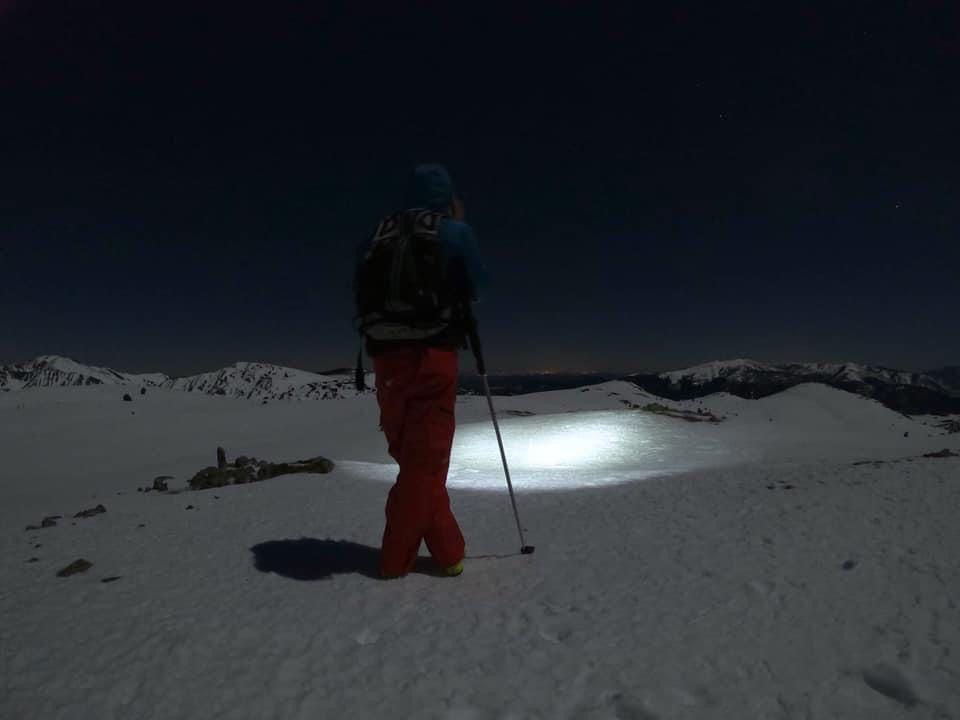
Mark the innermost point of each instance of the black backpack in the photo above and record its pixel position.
(402, 287)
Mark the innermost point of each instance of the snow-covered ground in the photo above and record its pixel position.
(752, 568)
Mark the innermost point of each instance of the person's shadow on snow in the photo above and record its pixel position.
(312, 559)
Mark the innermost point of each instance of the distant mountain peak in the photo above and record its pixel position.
(706, 372)
(61, 363)
(59, 371)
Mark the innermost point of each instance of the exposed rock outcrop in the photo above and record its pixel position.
(247, 470)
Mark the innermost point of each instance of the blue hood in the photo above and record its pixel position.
(429, 187)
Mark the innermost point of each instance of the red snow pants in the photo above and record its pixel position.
(417, 391)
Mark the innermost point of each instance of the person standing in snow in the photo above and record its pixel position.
(416, 278)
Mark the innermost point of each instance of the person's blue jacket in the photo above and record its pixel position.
(431, 187)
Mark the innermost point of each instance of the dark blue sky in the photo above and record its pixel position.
(181, 187)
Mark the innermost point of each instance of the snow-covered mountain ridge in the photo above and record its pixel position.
(907, 392)
(262, 381)
(55, 371)
(937, 392)
(746, 370)
(246, 380)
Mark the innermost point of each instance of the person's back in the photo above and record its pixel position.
(416, 363)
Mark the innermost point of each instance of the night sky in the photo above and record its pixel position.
(182, 186)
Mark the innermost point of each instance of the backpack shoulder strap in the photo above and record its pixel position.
(389, 227)
(416, 221)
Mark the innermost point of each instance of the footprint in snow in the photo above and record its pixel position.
(626, 707)
(781, 485)
(367, 637)
(888, 681)
(556, 633)
(763, 588)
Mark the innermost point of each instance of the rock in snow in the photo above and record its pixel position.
(75, 568)
(248, 470)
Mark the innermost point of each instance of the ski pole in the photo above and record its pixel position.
(482, 370)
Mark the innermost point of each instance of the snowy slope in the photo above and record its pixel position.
(741, 569)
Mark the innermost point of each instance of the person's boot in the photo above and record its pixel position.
(454, 570)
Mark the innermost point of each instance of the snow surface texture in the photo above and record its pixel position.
(746, 569)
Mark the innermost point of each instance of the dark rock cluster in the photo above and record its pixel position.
(700, 415)
(51, 520)
(945, 453)
(48, 522)
(159, 484)
(247, 470)
(951, 426)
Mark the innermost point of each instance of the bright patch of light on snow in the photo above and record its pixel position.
(572, 450)
(571, 445)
